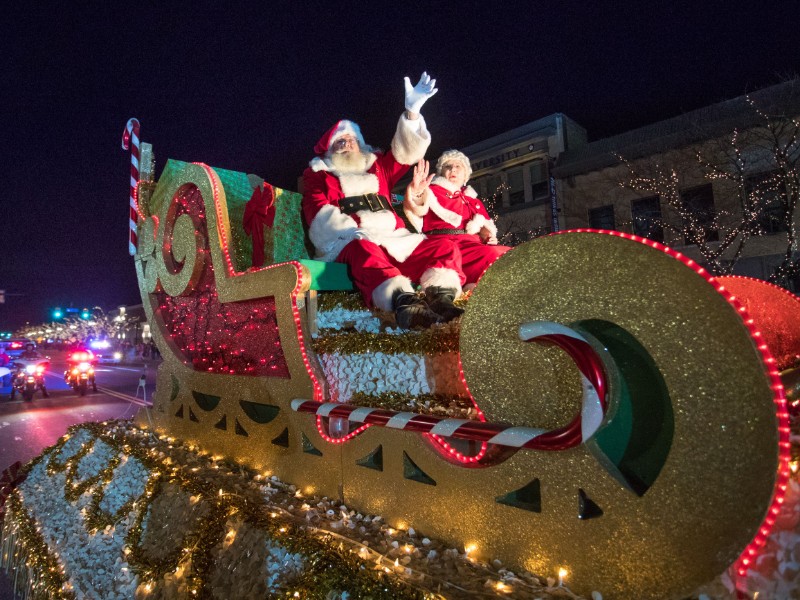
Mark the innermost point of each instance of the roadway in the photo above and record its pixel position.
(26, 428)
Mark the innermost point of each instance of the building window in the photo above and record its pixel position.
(646, 216)
(516, 187)
(602, 217)
(700, 202)
(540, 188)
(764, 190)
(494, 190)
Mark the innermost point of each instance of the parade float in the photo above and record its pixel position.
(605, 420)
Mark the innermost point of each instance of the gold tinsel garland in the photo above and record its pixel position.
(430, 404)
(352, 301)
(32, 554)
(72, 488)
(328, 566)
(435, 340)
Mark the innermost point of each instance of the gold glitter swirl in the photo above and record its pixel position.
(182, 239)
(715, 483)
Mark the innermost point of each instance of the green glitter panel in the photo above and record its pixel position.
(287, 230)
(238, 191)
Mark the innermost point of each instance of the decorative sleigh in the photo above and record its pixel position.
(617, 413)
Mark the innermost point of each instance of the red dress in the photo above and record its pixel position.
(454, 213)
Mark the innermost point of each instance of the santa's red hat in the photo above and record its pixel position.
(341, 128)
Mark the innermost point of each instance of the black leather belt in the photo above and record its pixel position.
(445, 232)
(373, 202)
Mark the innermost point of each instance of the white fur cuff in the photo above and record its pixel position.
(410, 141)
(478, 222)
(439, 277)
(383, 294)
(330, 231)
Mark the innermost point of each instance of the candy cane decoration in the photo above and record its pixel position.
(131, 133)
(581, 428)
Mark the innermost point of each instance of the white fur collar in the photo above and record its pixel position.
(356, 184)
(319, 163)
(452, 188)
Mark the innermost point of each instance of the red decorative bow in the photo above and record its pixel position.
(258, 213)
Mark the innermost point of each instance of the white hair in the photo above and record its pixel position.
(451, 155)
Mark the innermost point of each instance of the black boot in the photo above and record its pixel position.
(440, 300)
(411, 312)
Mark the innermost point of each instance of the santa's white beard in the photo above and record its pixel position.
(349, 162)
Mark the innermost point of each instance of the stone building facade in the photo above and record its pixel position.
(545, 176)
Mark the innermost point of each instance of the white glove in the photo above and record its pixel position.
(417, 95)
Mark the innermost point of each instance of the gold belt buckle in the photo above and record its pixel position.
(370, 198)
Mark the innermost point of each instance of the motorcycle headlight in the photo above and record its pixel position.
(30, 369)
(84, 366)
(117, 355)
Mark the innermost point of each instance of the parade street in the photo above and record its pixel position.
(26, 428)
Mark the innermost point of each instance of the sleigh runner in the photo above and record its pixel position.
(643, 381)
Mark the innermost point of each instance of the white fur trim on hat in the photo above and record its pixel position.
(451, 155)
(346, 127)
(383, 294)
(441, 277)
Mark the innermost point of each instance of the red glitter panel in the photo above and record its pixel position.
(237, 337)
(775, 312)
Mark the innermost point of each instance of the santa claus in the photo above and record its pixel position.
(346, 191)
(444, 206)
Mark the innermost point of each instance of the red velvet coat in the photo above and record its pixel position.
(446, 206)
(330, 229)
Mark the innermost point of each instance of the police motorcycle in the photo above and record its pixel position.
(28, 377)
(80, 371)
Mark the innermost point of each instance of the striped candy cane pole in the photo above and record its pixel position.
(131, 134)
(576, 432)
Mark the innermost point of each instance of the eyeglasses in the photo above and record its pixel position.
(344, 142)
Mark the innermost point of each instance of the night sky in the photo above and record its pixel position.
(253, 90)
